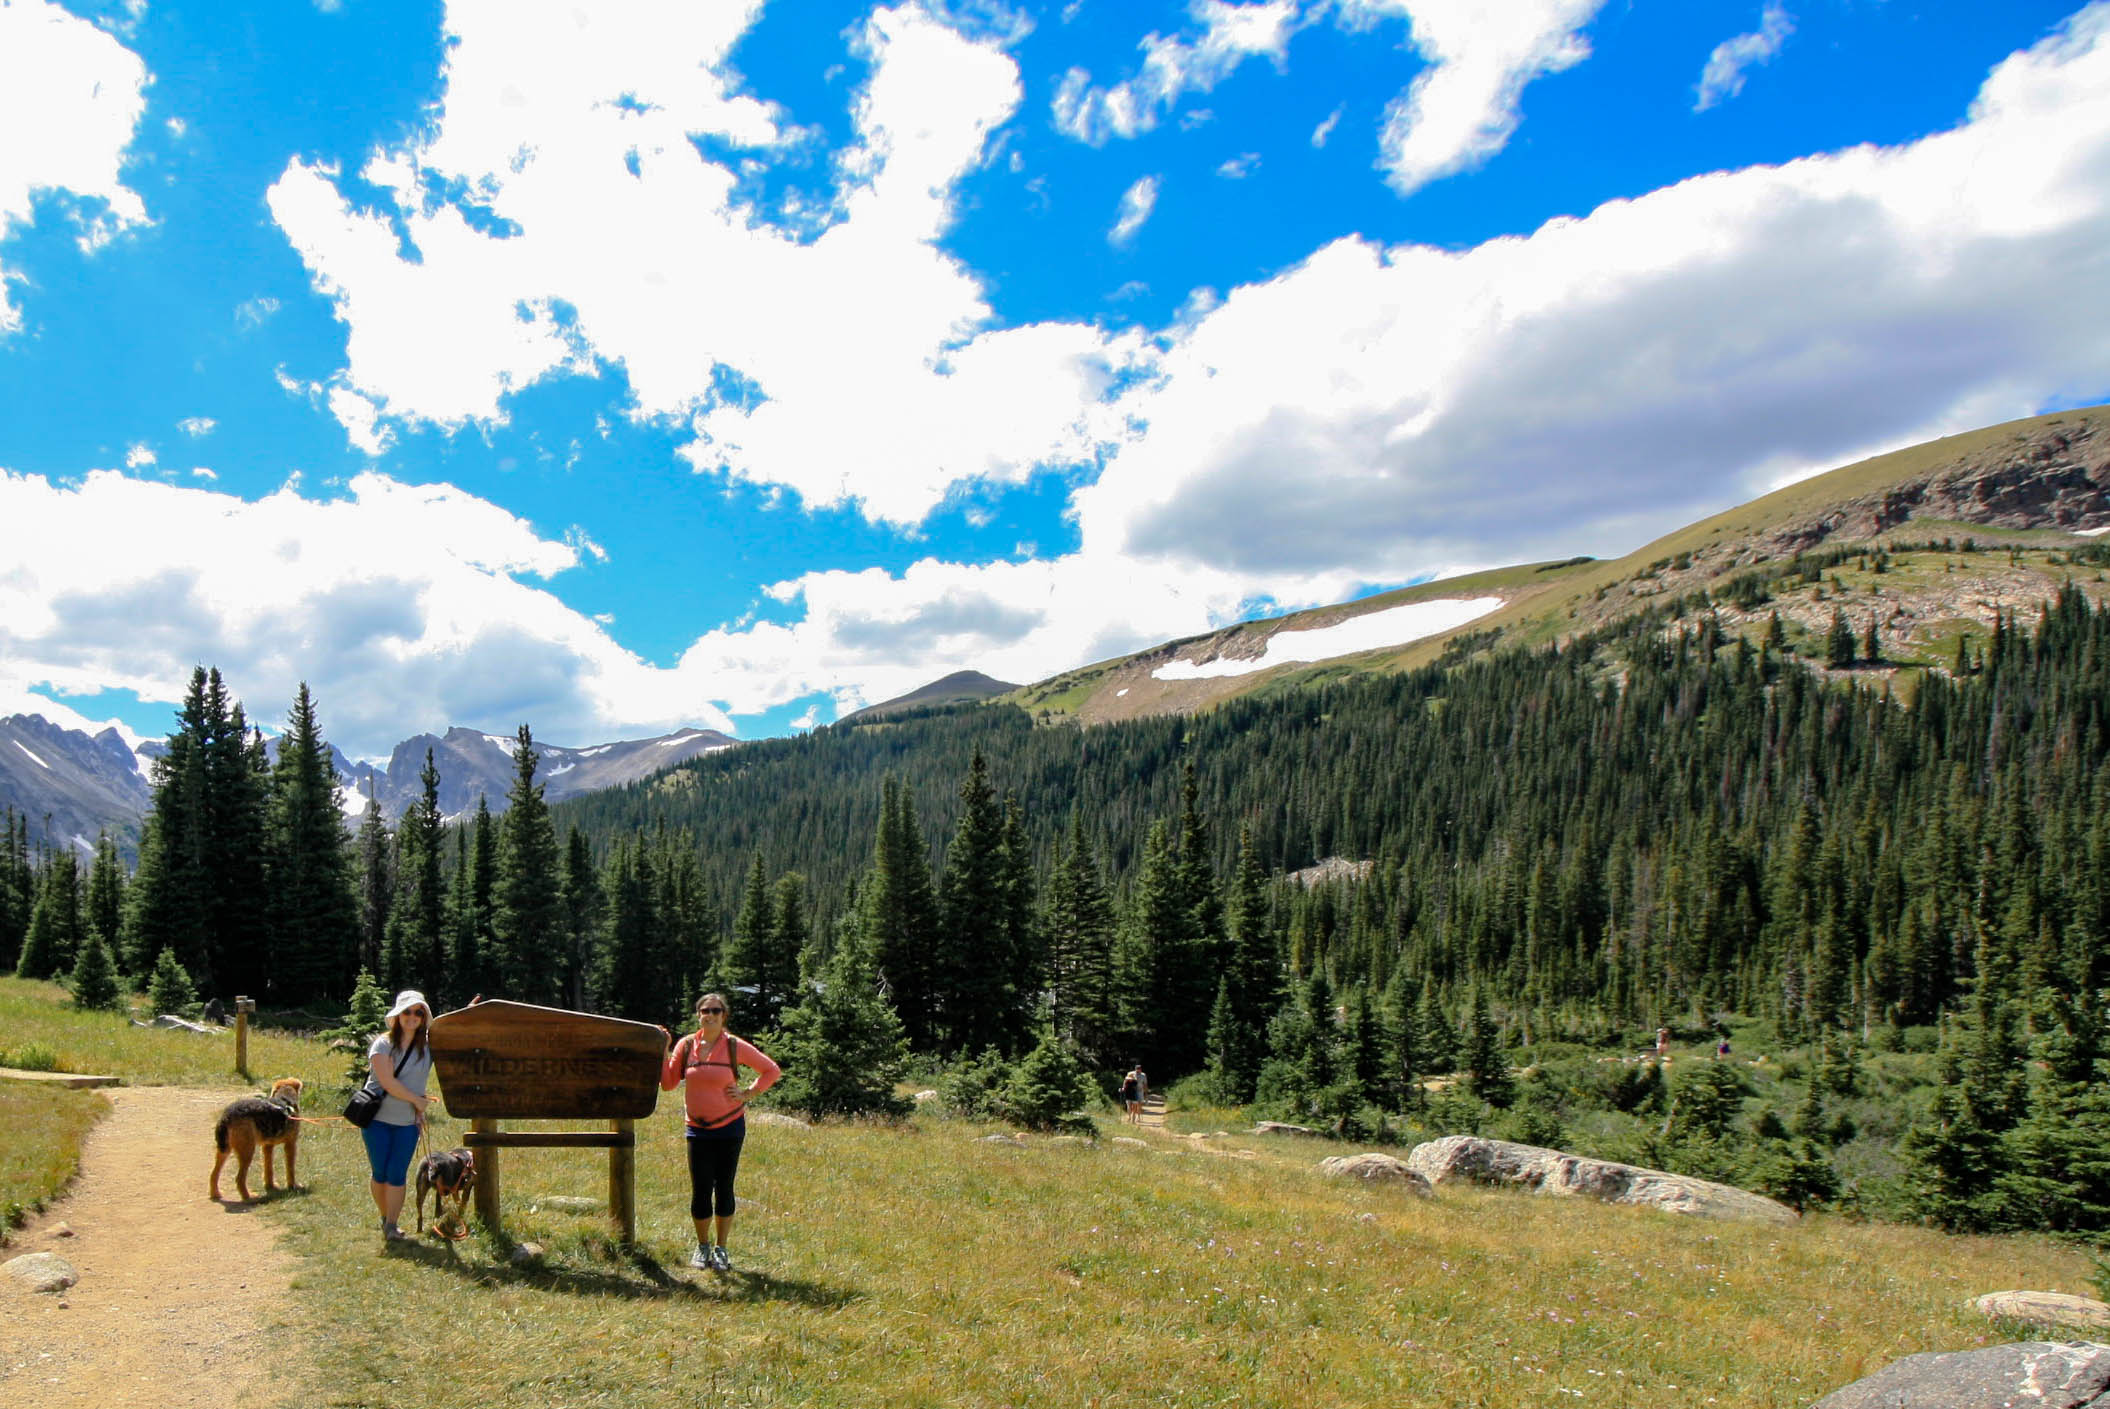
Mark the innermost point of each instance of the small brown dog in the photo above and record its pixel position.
(448, 1176)
(254, 1122)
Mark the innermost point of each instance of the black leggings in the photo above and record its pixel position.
(714, 1158)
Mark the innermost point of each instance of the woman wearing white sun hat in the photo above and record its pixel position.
(402, 1062)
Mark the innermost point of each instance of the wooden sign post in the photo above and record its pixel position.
(243, 1007)
(514, 1061)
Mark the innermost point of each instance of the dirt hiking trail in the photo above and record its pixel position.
(175, 1292)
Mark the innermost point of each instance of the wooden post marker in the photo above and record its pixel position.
(514, 1061)
(243, 1007)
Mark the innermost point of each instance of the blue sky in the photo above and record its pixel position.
(620, 366)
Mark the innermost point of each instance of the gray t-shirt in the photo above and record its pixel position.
(412, 1068)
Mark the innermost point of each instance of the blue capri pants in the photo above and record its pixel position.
(388, 1151)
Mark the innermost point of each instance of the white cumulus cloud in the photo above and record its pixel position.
(70, 99)
(1724, 75)
(862, 356)
(405, 607)
(1137, 202)
(1231, 34)
(1464, 106)
(196, 426)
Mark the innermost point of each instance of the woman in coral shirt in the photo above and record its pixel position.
(706, 1065)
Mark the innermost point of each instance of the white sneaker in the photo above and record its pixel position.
(719, 1261)
(701, 1258)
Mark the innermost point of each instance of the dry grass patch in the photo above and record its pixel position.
(916, 1265)
(42, 1151)
(42, 1014)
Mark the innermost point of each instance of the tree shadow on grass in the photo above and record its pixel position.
(645, 1279)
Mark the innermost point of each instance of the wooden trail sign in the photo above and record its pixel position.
(516, 1061)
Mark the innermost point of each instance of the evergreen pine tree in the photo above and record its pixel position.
(169, 987)
(900, 917)
(417, 922)
(1048, 1089)
(95, 974)
(54, 937)
(971, 977)
(314, 906)
(763, 954)
(1079, 924)
(1839, 642)
(17, 887)
(1433, 1032)
(527, 904)
(105, 913)
(1252, 974)
(377, 885)
(1487, 1071)
(585, 910)
(366, 1015)
(843, 1049)
(1872, 643)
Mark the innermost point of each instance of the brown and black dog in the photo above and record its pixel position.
(449, 1176)
(254, 1122)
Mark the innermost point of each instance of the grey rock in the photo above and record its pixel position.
(41, 1271)
(1277, 1127)
(1131, 1140)
(525, 1254)
(781, 1120)
(1000, 1140)
(1551, 1172)
(2052, 1309)
(1377, 1169)
(2040, 1374)
(568, 1203)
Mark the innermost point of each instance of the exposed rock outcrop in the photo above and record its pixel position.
(1552, 1172)
(2051, 1309)
(1377, 1169)
(2041, 1374)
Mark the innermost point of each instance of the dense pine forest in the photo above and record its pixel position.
(1662, 822)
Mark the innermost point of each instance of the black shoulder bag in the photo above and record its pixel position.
(365, 1104)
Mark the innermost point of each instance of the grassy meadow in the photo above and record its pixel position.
(919, 1265)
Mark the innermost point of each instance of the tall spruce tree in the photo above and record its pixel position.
(1252, 974)
(105, 901)
(54, 937)
(747, 957)
(971, 973)
(417, 922)
(1079, 925)
(314, 905)
(377, 886)
(17, 887)
(527, 905)
(900, 916)
(585, 908)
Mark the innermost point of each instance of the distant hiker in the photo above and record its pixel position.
(706, 1065)
(1133, 1087)
(1721, 1050)
(1662, 1044)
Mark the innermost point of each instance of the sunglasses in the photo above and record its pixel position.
(708, 1011)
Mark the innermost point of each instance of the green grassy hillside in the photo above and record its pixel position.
(2000, 486)
(918, 1264)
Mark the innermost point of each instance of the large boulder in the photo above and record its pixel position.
(1552, 1172)
(1377, 1169)
(2041, 1374)
(2051, 1309)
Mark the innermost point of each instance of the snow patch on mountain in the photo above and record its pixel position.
(1395, 626)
